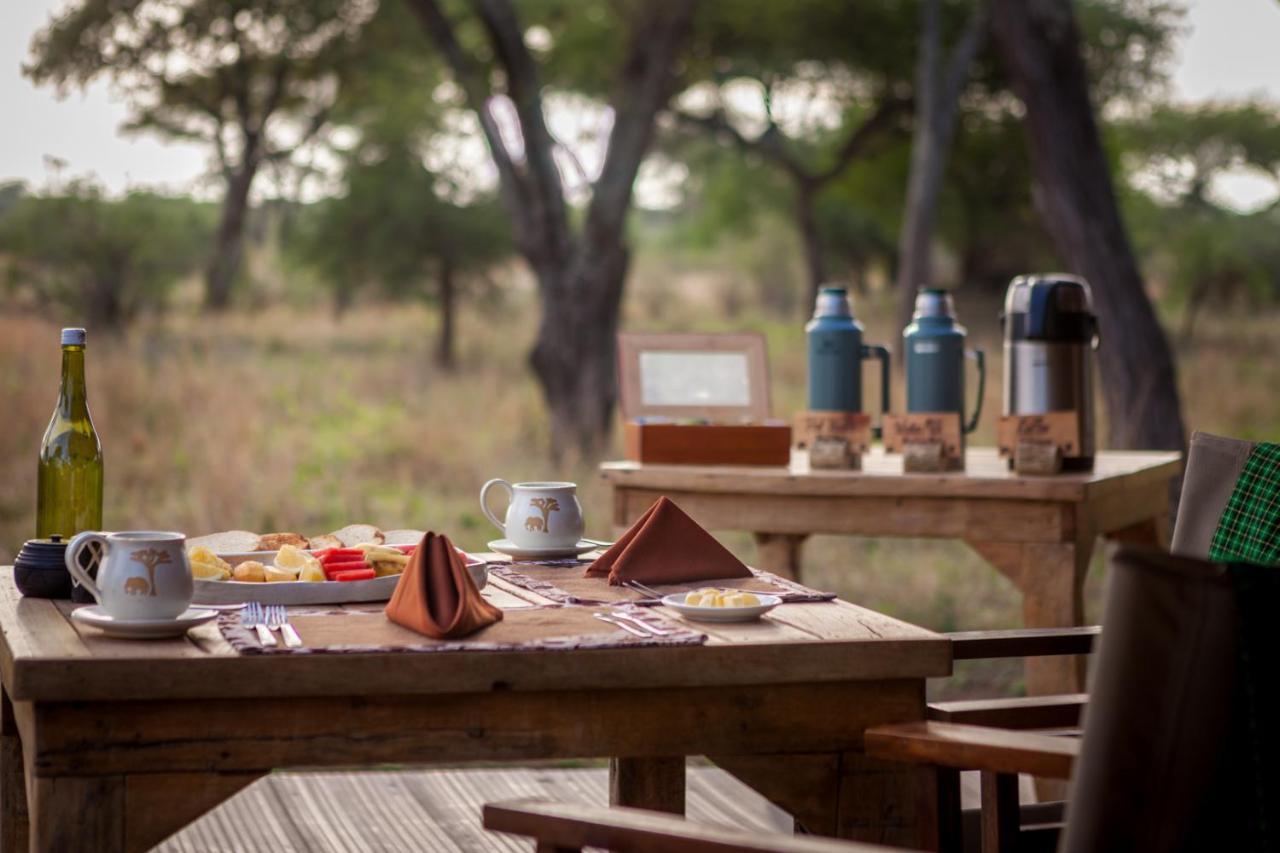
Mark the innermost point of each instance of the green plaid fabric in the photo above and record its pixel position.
(1249, 529)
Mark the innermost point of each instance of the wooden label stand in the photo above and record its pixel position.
(1037, 444)
(835, 440)
(928, 441)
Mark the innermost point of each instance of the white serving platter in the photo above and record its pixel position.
(699, 613)
(304, 592)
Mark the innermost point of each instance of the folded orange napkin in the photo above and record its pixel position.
(666, 546)
(436, 595)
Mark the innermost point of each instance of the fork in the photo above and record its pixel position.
(278, 619)
(636, 620)
(647, 590)
(253, 617)
(626, 626)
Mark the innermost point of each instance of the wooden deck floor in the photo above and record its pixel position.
(428, 810)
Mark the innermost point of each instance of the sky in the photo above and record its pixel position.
(1228, 52)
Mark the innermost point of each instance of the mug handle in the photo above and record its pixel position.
(72, 559)
(484, 507)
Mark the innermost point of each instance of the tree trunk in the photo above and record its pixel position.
(446, 356)
(1040, 46)
(807, 222)
(220, 275)
(936, 103)
(104, 308)
(574, 356)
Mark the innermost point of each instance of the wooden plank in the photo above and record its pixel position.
(974, 748)
(985, 476)
(1023, 642)
(53, 663)
(573, 826)
(861, 515)
(1017, 712)
(435, 810)
(261, 734)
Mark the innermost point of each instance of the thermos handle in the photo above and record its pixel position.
(978, 356)
(882, 353)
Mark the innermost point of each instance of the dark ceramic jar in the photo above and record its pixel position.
(40, 570)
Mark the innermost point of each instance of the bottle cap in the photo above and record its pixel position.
(73, 337)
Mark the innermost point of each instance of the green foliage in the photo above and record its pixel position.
(391, 229)
(195, 69)
(1203, 251)
(396, 223)
(102, 259)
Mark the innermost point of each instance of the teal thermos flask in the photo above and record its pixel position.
(934, 350)
(836, 353)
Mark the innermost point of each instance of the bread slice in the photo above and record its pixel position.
(228, 542)
(403, 537)
(328, 540)
(273, 541)
(358, 534)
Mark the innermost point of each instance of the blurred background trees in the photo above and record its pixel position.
(252, 80)
(438, 150)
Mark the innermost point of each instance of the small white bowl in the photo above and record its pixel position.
(700, 613)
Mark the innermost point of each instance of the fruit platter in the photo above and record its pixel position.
(359, 563)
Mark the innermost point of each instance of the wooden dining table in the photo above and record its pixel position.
(1038, 531)
(113, 745)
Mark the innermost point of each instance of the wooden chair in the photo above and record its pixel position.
(1178, 753)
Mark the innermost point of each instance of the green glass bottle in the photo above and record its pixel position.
(69, 489)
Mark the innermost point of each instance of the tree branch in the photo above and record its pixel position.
(877, 123)
(515, 191)
(525, 90)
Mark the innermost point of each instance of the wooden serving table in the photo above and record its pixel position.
(1037, 531)
(110, 745)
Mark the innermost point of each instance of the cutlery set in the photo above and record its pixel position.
(264, 620)
(632, 625)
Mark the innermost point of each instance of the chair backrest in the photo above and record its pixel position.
(1169, 757)
(1214, 465)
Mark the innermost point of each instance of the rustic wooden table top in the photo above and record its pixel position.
(44, 656)
(986, 475)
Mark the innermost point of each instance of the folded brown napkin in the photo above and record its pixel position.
(436, 595)
(666, 546)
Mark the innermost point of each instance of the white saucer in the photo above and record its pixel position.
(143, 629)
(511, 549)
(722, 614)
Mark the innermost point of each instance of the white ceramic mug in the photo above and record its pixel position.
(143, 574)
(540, 516)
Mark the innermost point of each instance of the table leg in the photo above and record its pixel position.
(71, 814)
(780, 553)
(13, 783)
(656, 784)
(848, 795)
(1050, 577)
(117, 813)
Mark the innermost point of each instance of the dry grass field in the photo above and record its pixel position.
(278, 420)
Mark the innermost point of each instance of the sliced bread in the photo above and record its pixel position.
(328, 540)
(403, 537)
(228, 542)
(273, 541)
(358, 534)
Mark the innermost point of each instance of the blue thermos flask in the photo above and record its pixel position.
(934, 351)
(836, 352)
